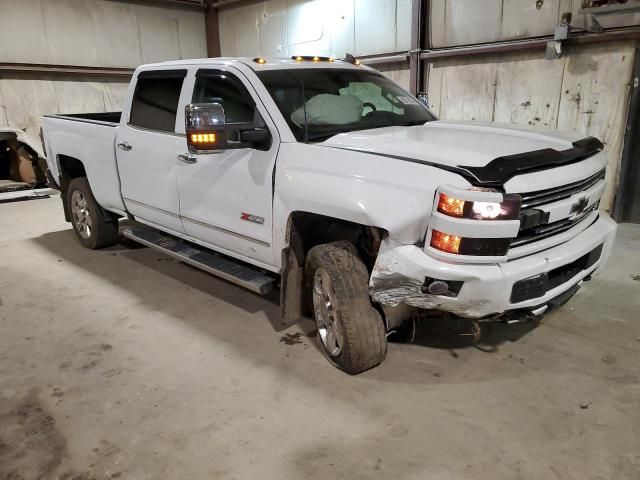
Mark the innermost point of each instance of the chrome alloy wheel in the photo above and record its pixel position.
(324, 307)
(81, 215)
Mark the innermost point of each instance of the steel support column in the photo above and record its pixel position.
(415, 64)
(626, 207)
(212, 25)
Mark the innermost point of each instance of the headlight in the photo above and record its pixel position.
(508, 209)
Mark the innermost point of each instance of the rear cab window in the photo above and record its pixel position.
(155, 101)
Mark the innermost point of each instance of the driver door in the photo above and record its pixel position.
(226, 196)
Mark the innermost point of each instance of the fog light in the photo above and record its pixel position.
(438, 287)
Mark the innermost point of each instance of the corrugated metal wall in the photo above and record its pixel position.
(318, 27)
(586, 91)
(89, 33)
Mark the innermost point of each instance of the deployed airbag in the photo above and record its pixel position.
(327, 109)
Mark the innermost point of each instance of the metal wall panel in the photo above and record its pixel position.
(22, 33)
(463, 22)
(305, 28)
(88, 33)
(272, 28)
(528, 90)
(23, 100)
(586, 92)
(526, 18)
(375, 30)
(70, 32)
(594, 100)
(155, 48)
(318, 27)
(240, 30)
(458, 90)
(398, 72)
(460, 22)
(98, 32)
(117, 37)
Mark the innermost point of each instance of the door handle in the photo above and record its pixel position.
(186, 158)
(125, 146)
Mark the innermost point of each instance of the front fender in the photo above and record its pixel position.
(358, 187)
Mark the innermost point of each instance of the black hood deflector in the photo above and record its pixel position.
(500, 170)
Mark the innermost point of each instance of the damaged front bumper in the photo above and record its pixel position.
(487, 290)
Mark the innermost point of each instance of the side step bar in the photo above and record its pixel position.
(198, 257)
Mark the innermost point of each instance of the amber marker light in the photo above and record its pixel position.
(316, 59)
(260, 60)
(203, 138)
(454, 207)
(445, 242)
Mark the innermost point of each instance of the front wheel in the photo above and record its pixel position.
(350, 331)
(93, 226)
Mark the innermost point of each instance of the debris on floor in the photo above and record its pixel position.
(291, 338)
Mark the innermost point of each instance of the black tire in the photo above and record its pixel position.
(364, 342)
(103, 229)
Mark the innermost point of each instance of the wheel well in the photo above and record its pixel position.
(306, 230)
(70, 168)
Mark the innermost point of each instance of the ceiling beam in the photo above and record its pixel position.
(41, 68)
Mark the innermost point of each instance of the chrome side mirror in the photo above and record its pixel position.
(205, 126)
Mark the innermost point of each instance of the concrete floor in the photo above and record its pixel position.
(123, 363)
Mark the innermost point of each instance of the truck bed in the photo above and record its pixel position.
(88, 138)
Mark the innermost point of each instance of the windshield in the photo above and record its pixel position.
(318, 104)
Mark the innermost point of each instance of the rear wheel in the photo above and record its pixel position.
(94, 227)
(350, 331)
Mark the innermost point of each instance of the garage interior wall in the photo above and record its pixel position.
(96, 33)
(586, 91)
(316, 27)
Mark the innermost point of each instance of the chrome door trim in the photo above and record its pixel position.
(202, 224)
(224, 230)
(160, 210)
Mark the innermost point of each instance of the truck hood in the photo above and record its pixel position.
(449, 143)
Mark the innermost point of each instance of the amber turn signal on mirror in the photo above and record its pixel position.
(201, 138)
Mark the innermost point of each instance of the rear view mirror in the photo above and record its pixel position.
(205, 127)
(208, 131)
(423, 97)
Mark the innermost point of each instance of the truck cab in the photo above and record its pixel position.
(327, 178)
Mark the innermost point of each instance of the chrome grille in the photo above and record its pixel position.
(532, 203)
(533, 199)
(544, 231)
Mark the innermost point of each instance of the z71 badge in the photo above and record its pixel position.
(252, 218)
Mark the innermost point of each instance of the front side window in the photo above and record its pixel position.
(318, 103)
(155, 101)
(220, 87)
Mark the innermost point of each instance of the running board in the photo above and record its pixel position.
(199, 257)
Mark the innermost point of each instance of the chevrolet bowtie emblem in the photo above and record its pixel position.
(579, 207)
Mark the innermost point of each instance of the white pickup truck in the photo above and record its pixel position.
(325, 177)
